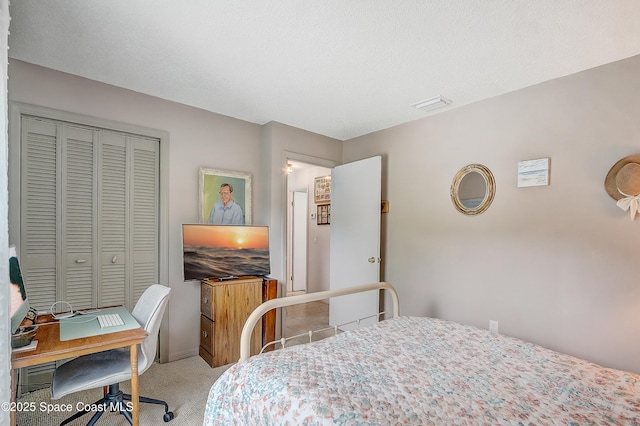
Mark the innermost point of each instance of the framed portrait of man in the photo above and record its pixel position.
(225, 197)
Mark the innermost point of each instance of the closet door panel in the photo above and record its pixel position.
(145, 206)
(79, 229)
(113, 215)
(39, 210)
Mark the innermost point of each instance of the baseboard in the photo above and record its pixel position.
(174, 356)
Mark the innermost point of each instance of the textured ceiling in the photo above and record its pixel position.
(335, 67)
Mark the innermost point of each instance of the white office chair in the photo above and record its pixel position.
(109, 368)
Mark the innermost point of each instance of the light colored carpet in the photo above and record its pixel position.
(184, 384)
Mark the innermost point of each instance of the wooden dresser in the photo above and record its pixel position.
(224, 308)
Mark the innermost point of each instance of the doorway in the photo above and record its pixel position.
(307, 252)
(302, 178)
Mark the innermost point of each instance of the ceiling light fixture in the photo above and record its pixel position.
(432, 103)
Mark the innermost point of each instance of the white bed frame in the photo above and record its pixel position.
(245, 337)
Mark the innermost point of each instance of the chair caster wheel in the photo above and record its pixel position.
(168, 416)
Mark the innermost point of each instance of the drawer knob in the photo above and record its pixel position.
(205, 300)
(205, 334)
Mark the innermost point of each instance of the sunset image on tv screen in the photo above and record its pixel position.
(225, 251)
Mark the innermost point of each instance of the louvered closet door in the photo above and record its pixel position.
(128, 217)
(58, 210)
(89, 210)
(39, 206)
(57, 205)
(88, 217)
(145, 205)
(77, 283)
(113, 220)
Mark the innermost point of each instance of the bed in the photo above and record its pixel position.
(414, 370)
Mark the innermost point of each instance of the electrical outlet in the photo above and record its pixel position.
(493, 326)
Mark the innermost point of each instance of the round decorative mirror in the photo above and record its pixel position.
(473, 189)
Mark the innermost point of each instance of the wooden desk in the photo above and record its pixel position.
(50, 348)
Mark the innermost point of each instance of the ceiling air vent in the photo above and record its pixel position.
(432, 103)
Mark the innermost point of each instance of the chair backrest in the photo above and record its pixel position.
(148, 312)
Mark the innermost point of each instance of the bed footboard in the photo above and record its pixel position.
(245, 338)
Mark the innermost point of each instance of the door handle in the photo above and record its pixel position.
(114, 258)
(81, 260)
(372, 260)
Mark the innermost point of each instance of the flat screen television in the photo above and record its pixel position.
(225, 251)
(19, 304)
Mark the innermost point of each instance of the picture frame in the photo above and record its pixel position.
(322, 189)
(210, 180)
(323, 215)
(533, 172)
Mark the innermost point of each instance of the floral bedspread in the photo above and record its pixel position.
(425, 371)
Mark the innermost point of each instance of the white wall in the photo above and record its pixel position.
(556, 265)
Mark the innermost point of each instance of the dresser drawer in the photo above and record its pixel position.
(206, 334)
(206, 301)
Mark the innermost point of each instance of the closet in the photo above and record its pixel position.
(89, 215)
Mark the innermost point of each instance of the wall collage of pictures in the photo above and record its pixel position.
(322, 196)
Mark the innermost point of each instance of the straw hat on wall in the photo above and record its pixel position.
(623, 184)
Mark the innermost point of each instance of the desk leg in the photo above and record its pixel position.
(14, 395)
(135, 397)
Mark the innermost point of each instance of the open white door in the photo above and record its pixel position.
(355, 238)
